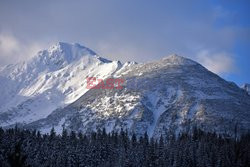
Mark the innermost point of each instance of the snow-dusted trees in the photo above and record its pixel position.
(24, 148)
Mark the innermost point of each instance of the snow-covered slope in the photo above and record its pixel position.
(55, 77)
(170, 95)
(246, 87)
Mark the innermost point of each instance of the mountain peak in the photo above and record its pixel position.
(175, 59)
(65, 47)
(61, 54)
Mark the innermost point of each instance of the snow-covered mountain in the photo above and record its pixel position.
(170, 95)
(52, 79)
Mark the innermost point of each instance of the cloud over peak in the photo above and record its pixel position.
(217, 62)
(13, 50)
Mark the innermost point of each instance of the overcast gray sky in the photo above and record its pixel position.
(214, 33)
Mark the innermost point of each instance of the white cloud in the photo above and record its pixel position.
(8, 44)
(13, 50)
(218, 62)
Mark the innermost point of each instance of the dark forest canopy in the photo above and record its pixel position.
(30, 148)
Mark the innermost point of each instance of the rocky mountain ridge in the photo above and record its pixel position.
(171, 95)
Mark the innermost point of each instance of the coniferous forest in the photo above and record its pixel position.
(201, 149)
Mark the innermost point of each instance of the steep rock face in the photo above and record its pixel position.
(52, 79)
(171, 95)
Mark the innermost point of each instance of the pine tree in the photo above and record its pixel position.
(17, 158)
(52, 134)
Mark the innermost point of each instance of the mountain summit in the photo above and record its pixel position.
(170, 95)
(61, 54)
(175, 59)
(53, 78)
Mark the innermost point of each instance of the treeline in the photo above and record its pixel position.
(30, 148)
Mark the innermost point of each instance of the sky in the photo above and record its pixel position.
(215, 33)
